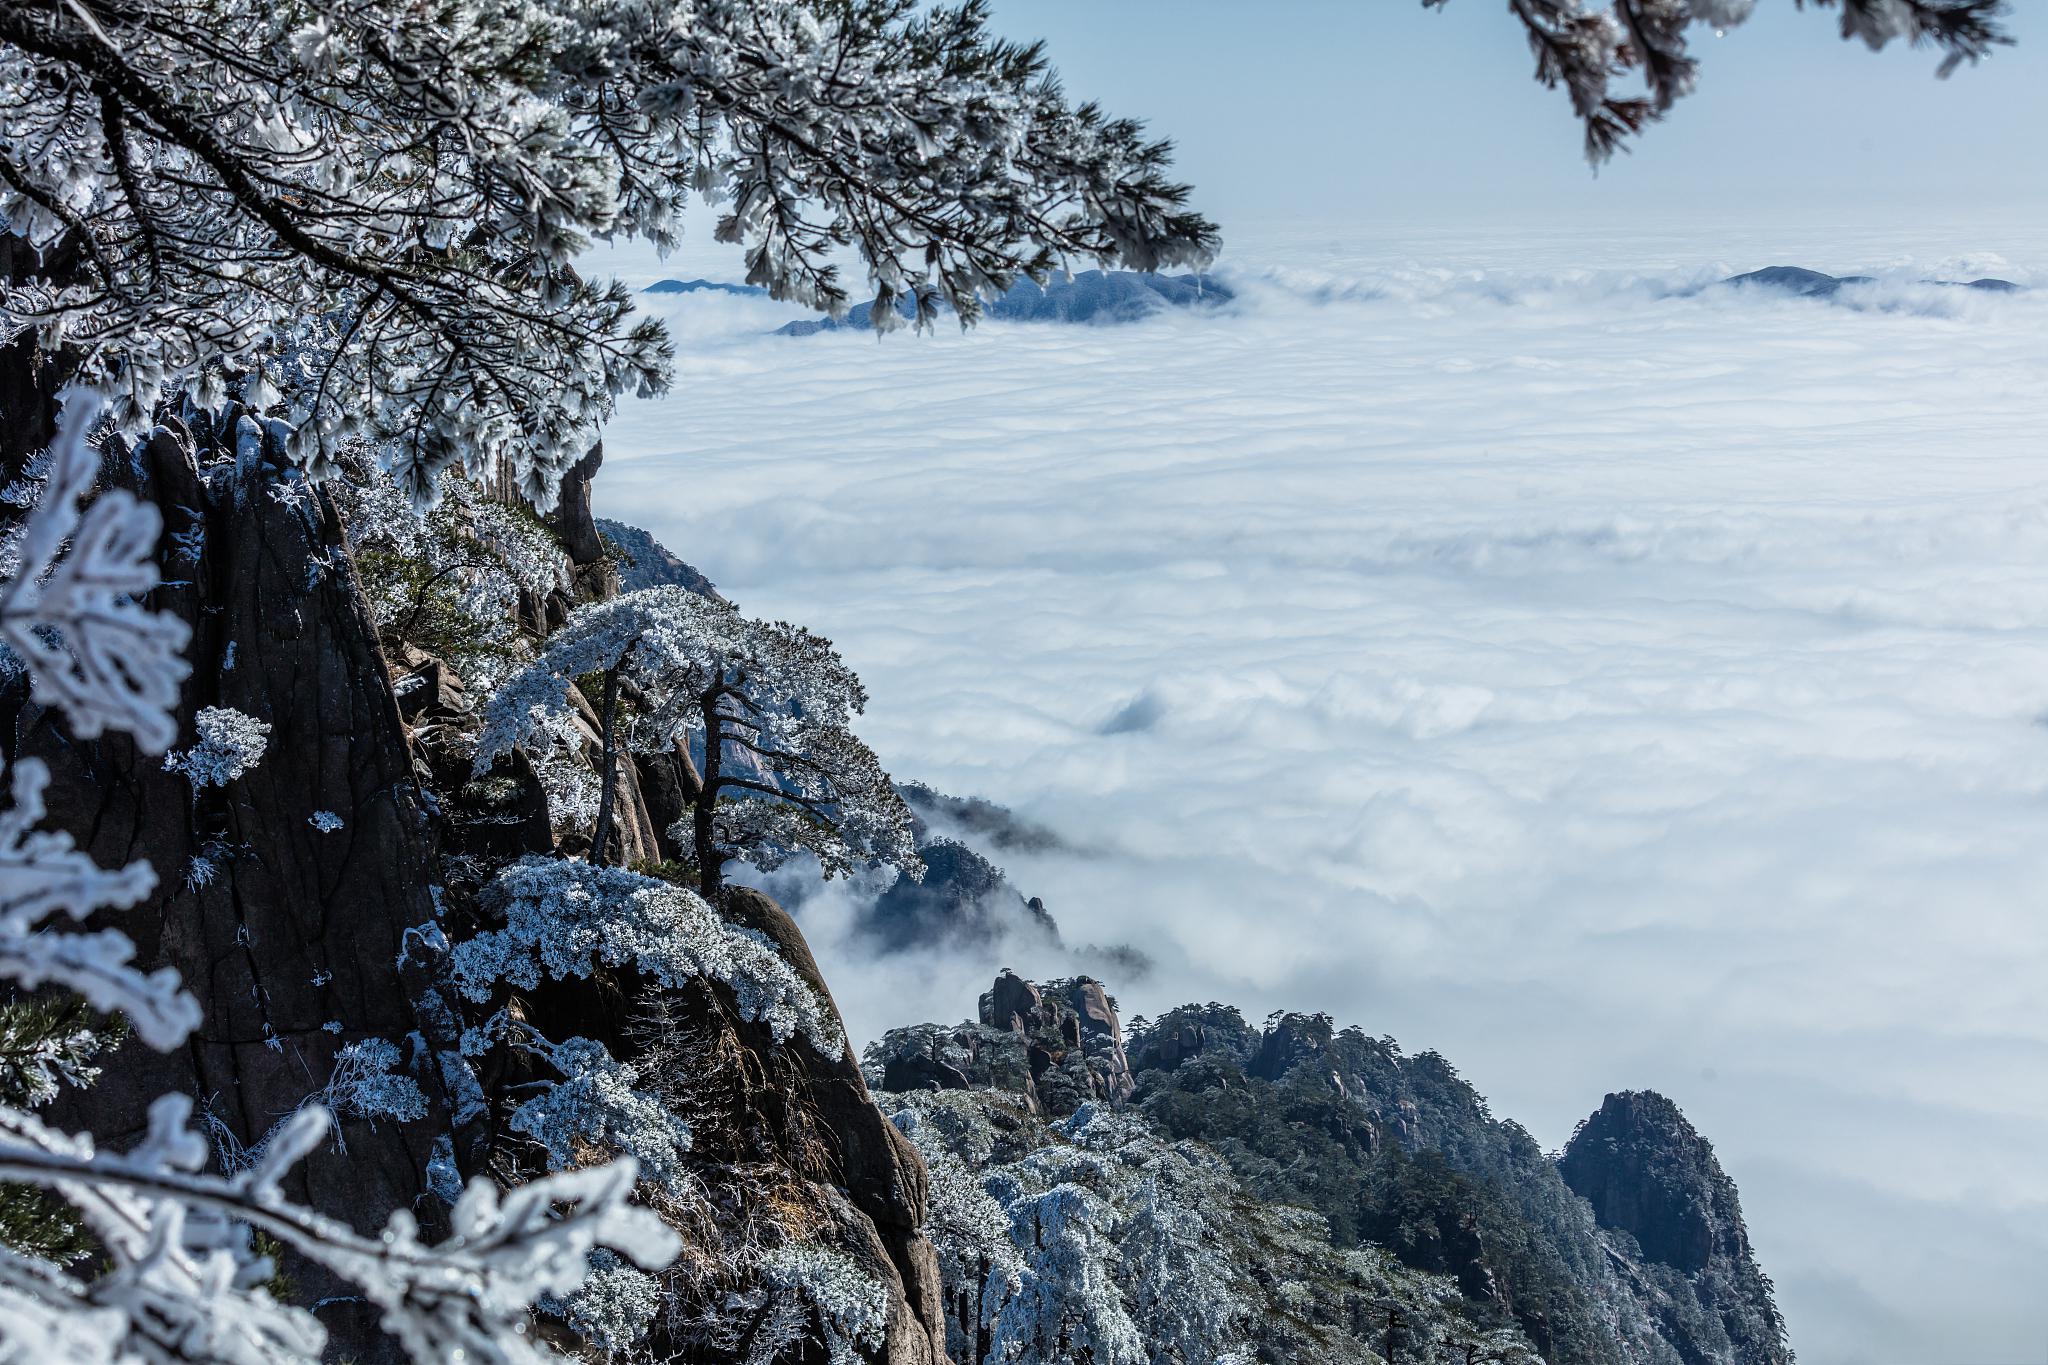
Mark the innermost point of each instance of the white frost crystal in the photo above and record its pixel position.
(231, 743)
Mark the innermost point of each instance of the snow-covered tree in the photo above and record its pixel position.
(449, 579)
(178, 1277)
(1067, 1306)
(821, 1296)
(367, 210)
(563, 920)
(1588, 49)
(770, 704)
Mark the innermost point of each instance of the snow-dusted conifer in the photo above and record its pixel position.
(564, 919)
(849, 1308)
(767, 698)
(377, 204)
(448, 579)
(230, 743)
(596, 1107)
(1067, 1306)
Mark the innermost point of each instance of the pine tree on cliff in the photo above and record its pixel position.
(350, 229)
(769, 701)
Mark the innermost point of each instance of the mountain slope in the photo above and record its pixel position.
(1397, 1154)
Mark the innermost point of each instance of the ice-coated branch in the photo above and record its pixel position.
(74, 618)
(1586, 49)
(179, 1283)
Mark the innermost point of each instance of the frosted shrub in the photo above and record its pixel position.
(365, 1084)
(595, 1107)
(851, 1306)
(615, 1306)
(230, 743)
(564, 919)
(1068, 1303)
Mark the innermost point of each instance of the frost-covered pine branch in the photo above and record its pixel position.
(376, 203)
(1587, 50)
(184, 1286)
(771, 704)
(75, 618)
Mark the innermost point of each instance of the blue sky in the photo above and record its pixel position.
(1337, 109)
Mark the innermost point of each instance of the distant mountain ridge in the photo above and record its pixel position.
(1093, 298)
(1814, 284)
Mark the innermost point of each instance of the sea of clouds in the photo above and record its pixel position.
(1505, 645)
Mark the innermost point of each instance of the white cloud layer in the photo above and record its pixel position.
(1605, 687)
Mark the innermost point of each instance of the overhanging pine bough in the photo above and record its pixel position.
(375, 203)
(1586, 50)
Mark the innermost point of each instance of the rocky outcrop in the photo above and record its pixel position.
(1058, 1045)
(296, 939)
(964, 900)
(571, 519)
(812, 1114)
(646, 562)
(1675, 1221)
(308, 904)
(1398, 1152)
(976, 820)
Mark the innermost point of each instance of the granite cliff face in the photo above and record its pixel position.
(1627, 1249)
(301, 935)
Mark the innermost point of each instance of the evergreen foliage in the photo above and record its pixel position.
(47, 1042)
(1100, 1238)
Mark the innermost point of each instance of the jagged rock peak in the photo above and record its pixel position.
(1058, 1044)
(650, 564)
(1649, 1174)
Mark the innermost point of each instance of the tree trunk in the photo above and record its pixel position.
(607, 771)
(709, 873)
